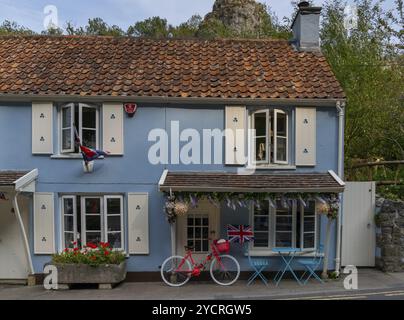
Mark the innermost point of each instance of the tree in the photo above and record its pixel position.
(13, 28)
(95, 27)
(154, 27)
(369, 65)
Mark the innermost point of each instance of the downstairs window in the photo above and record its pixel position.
(294, 226)
(92, 219)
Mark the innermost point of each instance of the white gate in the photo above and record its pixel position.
(358, 226)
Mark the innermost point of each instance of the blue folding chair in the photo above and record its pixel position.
(311, 265)
(258, 265)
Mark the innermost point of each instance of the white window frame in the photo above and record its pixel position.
(83, 216)
(103, 216)
(272, 227)
(71, 149)
(270, 112)
(302, 232)
(97, 117)
(75, 234)
(270, 223)
(79, 126)
(106, 215)
(276, 136)
(267, 138)
(293, 215)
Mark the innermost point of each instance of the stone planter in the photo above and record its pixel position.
(106, 276)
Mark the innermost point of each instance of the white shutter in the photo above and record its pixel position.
(42, 128)
(44, 235)
(305, 136)
(235, 134)
(112, 121)
(138, 223)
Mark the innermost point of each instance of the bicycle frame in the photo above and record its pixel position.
(196, 268)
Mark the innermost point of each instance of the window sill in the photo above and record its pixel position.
(270, 253)
(271, 167)
(70, 156)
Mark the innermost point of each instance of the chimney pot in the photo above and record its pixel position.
(306, 27)
(303, 4)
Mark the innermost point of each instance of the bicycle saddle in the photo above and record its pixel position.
(187, 248)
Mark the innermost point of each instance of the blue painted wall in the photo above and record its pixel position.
(133, 172)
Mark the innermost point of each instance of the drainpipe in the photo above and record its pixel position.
(24, 234)
(341, 121)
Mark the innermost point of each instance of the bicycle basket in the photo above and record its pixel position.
(222, 245)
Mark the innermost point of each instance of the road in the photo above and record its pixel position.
(383, 294)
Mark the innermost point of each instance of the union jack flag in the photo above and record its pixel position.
(240, 233)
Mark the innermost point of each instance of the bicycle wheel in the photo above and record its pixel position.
(225, 270)
(176, 271)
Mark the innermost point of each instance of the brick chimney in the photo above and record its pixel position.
(306, 27)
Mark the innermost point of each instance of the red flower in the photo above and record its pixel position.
(76, 249)
(106, 253)
(66, 250)
(91, 245)
(105, 245)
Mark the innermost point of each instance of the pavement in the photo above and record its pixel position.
(372, 284)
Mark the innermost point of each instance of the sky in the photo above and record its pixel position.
(30, 13)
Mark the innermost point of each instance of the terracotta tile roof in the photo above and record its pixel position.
(94, 66)
(220, 181)
(7, 178)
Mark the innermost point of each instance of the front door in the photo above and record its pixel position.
(13, 260)
(198, 228)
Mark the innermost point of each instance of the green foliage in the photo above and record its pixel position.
(369, 66)
(13, 28)
(154, 27)
(91, 254)
(95, 27)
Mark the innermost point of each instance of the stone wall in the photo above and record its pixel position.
(390, 235)
(240, 16)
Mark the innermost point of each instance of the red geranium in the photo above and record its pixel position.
(91, 245)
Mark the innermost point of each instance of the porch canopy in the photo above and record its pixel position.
(18, 180)
(328, 182)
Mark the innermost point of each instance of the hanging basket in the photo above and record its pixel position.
(323, 208)
(88, 167)
(181, 208)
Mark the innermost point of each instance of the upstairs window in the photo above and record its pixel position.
(269, 143)
(82, 120)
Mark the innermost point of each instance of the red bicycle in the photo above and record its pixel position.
(224, 268)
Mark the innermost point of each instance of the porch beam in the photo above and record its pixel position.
(23, 232)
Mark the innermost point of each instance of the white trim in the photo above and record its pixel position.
(336, 177)
(227, 189)
(106, 215)
(75, 233)
(97, 120)
(83, 215)
(72, 114)
(275, 160)
(267, 160)
(25, 183)
(163, 177)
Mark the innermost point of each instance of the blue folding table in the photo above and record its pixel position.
(287, 255)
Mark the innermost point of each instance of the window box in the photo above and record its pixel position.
(105, 275)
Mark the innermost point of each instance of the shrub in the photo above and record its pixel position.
(90, 254)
